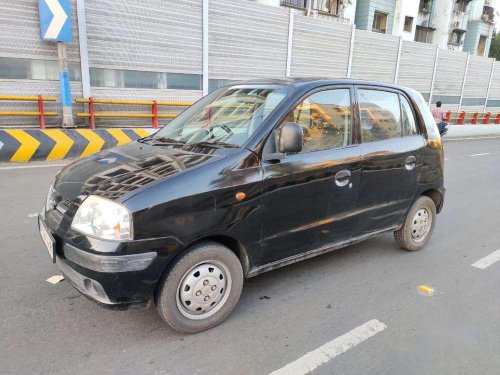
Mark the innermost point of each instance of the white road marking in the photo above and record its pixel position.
(312, 360)
(487, 260)
(32, 215)
(468, 138)
(55, 279)
(32, 166)
(481, 154)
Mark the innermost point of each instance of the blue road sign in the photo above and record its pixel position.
(55, 20)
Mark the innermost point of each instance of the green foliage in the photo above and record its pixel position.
(495, 47)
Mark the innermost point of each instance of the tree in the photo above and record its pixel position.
(495, 47)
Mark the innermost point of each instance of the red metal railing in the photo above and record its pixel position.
(154, 115)
(474, 118)
(39, 99)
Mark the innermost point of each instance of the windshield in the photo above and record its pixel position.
(228, 116)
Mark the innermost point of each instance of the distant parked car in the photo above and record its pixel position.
(252, 177)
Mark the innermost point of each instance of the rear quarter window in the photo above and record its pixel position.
(380, 115)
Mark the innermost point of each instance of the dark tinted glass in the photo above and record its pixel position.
(325, 118)
(181, 81)
(380, 115)
(409, 123)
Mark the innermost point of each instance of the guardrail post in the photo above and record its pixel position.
(461, 118)
(40, 110)
(92, 112)
(447, 117)
(486, 118)
(154, 110)
(474, 118)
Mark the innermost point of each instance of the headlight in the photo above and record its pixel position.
(50, 202)
(102, 218)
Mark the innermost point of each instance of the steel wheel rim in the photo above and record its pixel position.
(204, 289)
(421, 225)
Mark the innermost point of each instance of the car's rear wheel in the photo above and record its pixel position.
(418, 225)
(201, 289)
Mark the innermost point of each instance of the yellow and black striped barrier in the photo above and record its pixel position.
(55, 144)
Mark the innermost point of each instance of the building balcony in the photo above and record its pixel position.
(326, 7)
(488, 15)
(459, 20)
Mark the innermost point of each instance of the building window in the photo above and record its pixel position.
(425, 6)
(214, 84)
(488, 15)
(180, 81)
(481, 46)
(328, 6)
(423, 34)
(301, 4)
(461, 5)
(380, 22)
(408, 24)
(44, 70)
(143, 80)
(456, 37)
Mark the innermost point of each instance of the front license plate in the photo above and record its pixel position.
(47, 238)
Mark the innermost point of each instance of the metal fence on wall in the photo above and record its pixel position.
(201, 44)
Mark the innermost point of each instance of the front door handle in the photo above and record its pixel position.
(410, 162)
(342, 178)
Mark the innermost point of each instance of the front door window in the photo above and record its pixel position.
(325, 118)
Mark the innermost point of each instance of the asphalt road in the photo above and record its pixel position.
(282, 314)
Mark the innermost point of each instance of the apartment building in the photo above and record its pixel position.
(480, 27)
(462, 25)
(336, 10)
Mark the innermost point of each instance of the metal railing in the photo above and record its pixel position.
(463, 117)
(40, 113)
(154, 115)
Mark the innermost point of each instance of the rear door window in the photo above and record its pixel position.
(380, 115)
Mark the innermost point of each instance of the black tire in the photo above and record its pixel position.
(169, 305)
(404, 237)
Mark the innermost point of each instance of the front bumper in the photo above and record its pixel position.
(90, 288)
(109, 272)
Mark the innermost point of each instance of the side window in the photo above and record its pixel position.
(409, 123)
(380, 115)
(325, 118)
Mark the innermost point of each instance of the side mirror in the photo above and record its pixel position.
(290, 138)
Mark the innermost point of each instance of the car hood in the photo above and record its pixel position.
(115, 172)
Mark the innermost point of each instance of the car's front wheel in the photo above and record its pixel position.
(418, 225)
(201, 289)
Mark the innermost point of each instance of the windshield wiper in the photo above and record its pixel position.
(146, 138)
(215, 144)
(163, 140)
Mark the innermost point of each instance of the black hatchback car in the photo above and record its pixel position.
(252, 177)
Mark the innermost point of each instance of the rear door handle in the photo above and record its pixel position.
(342, 178)
(410, 162)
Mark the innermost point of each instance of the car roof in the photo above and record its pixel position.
(312, 81)
(308, 83)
